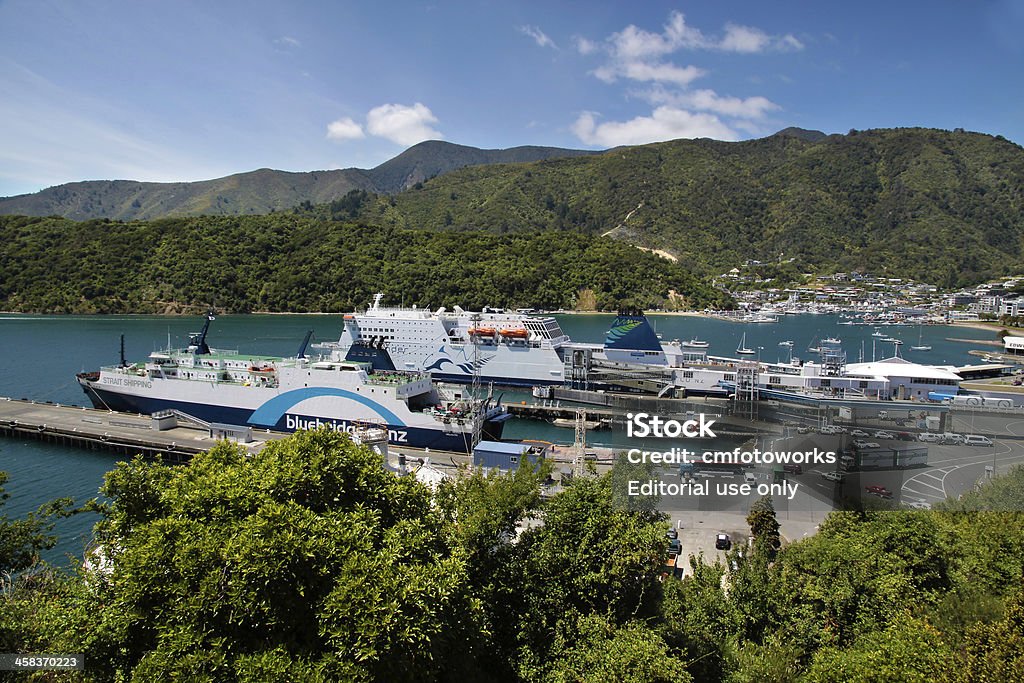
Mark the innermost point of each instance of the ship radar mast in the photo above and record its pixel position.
(197, 341)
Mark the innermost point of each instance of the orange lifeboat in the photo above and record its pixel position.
(518, 333)
(481, 331)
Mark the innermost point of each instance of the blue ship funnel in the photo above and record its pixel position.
(631, 331)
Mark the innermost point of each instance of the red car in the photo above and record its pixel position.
(879, 491)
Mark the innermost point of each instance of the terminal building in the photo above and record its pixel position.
(900, 379)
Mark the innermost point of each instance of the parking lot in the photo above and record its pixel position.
(950, 471)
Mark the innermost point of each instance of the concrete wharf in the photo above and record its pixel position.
(103, 430)
(130, 434)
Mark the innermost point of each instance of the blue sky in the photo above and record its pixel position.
(169, 91)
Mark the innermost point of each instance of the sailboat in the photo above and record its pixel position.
(920, 346)
(742, 348)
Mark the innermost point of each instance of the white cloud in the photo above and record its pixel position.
(402, 124)
(744, 39)
(584, 46)
(288, 41)
(790, 42)
(538, 36)
(664, 123)
(634, 43)
(636, 55)
(663, 73)
(708, 100)
(344, 129)
(750, 40)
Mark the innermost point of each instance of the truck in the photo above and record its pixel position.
(899, 457)
(973, 401)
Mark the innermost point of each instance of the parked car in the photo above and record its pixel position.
(953, 439)
(859, 433)
(977, 440)
(723, 542)
(929, 437)
(832, 429)
(878, 490)
(672, 533)
(860, 443)
(882, 434)
(832, 476)
(674, 546)
(793, 468)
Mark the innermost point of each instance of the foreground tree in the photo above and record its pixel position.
(21, 541)
(308, 561)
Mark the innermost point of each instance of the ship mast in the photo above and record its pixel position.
(474, 402)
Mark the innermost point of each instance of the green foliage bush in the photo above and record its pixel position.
(310, 561)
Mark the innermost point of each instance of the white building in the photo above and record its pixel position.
(906, 380)
(1014, 345)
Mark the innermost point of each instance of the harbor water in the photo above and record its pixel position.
(42, 354)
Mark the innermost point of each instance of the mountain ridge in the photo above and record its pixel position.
(939, 206)
(262, 190)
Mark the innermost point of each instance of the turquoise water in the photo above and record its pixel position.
(42, 354)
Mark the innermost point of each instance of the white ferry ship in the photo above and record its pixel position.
(287, 394)
(504, 348)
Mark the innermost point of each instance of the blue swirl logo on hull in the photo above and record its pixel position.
(273, 410)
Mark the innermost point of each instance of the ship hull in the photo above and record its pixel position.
(310, 411)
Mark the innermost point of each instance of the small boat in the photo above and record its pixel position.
(788, 342)
(742, 348)
(696, 344)
(515, 333)
(920, 346)
(877, 333)
(481, 331)
(589, 425)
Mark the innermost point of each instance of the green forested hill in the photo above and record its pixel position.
(282, 262)
(939, 206)
(261, 191)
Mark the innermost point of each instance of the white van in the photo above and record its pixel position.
(977, 440)
(953, 438)
(929, 437)
(750, 478)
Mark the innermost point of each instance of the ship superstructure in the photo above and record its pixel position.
(499, 347)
